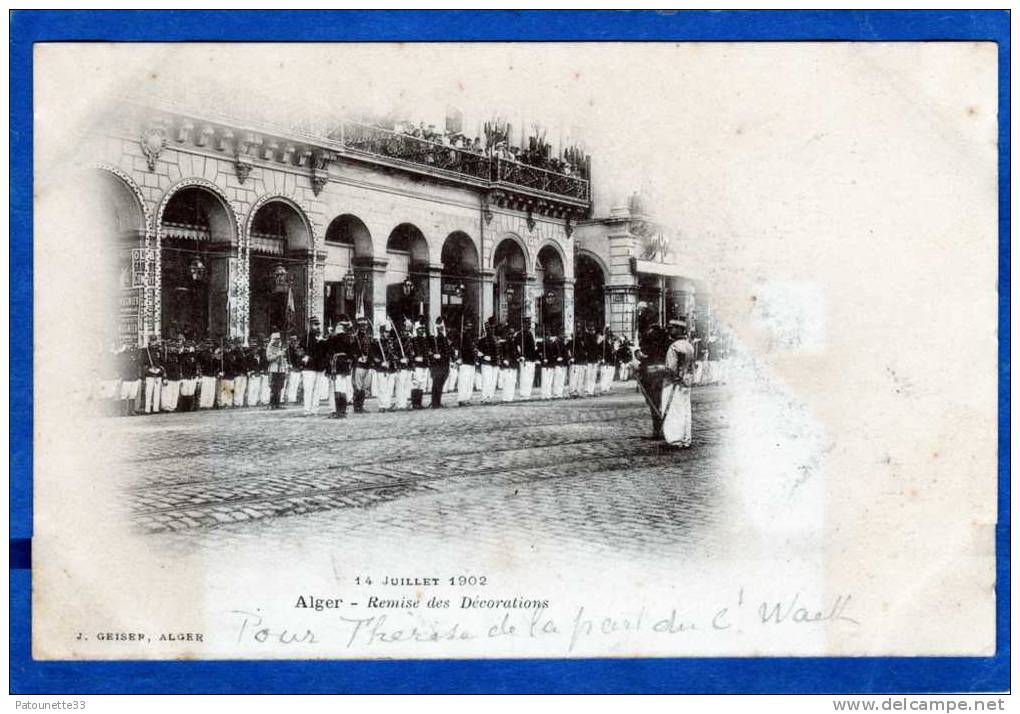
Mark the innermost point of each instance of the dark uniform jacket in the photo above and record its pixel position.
(440, 350)
(385, 358)
(367, 351)
(343, 350)
(421, 351)
(529, 348)
(488, 350)
(468, 349)
(510, 352)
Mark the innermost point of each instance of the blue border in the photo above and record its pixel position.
(794, 675)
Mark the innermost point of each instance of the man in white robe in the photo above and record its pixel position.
(677, 422)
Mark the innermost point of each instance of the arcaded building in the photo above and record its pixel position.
(229, 229)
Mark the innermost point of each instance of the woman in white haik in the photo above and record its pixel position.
(675, 406)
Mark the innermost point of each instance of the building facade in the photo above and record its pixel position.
(227, 230)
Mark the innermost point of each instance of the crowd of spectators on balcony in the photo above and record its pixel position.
(496, 143)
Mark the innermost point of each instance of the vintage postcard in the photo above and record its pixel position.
(514, 350)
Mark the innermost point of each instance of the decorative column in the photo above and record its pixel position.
(228, 292)
(568, 307)
(486, 308)
(532, 290)
(305, 270)
(435, 288)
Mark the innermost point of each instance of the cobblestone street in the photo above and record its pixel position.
(581, 470)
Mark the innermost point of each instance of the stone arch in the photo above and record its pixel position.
(125, 179)
(301, 211)
(590, 278)
(127, 263)
(547, 246)
(469, 259)
(596, 258)
(349, 229)
(228, 301)
(510, 236)
(231, 210)
(406, 236)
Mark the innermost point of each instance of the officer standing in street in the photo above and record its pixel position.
(421, 351)
(652, 371)
(468, 355)
(344, 350)
(488, 352)
(368, 354)
(383, 381)
(311, 367)
(441, 354)
(529, 358)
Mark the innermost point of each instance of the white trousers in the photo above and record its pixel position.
(546, 384)
(490, 375)
(508, 376)
(240, 388)
(171, 391)
(465, 383)
(606, 374)
(344, 385)
(576, 379)
(527, 379)
(292, 386)
(676, 409)
(264, 391)
(420, 378)
(188, 387)
(559, 381)
(402, 391)
(254, 390)
(153, 387)
(382, 388)
(207, 397)
(310, 384)
(591, 378)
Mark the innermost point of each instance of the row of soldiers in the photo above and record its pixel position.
(397, 366)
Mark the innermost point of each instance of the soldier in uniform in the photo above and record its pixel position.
(253, 364)
(171, 376)
(557, 356)
(509, 360)
(343, 349)
(488, 352)
(468, 354)
(189, 378)
(421, 351)
(574, 357)
(676, 393)
(591, 367)
(652, 371)
(440, 355)
(368, 354)
(276, 360)
(153, 366)
(405, 374)
(545, 372)
(239, 358)
(293, 384)
(387, 355)
(311, 351)
(227, 374)
(607, 360)
(529, 358)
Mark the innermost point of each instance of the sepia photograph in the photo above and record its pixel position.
(429, 350)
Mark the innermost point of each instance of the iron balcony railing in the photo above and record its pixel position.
(376, 141)
(518, 174)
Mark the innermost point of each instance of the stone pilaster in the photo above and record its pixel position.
(486, 307)
(435, 291)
